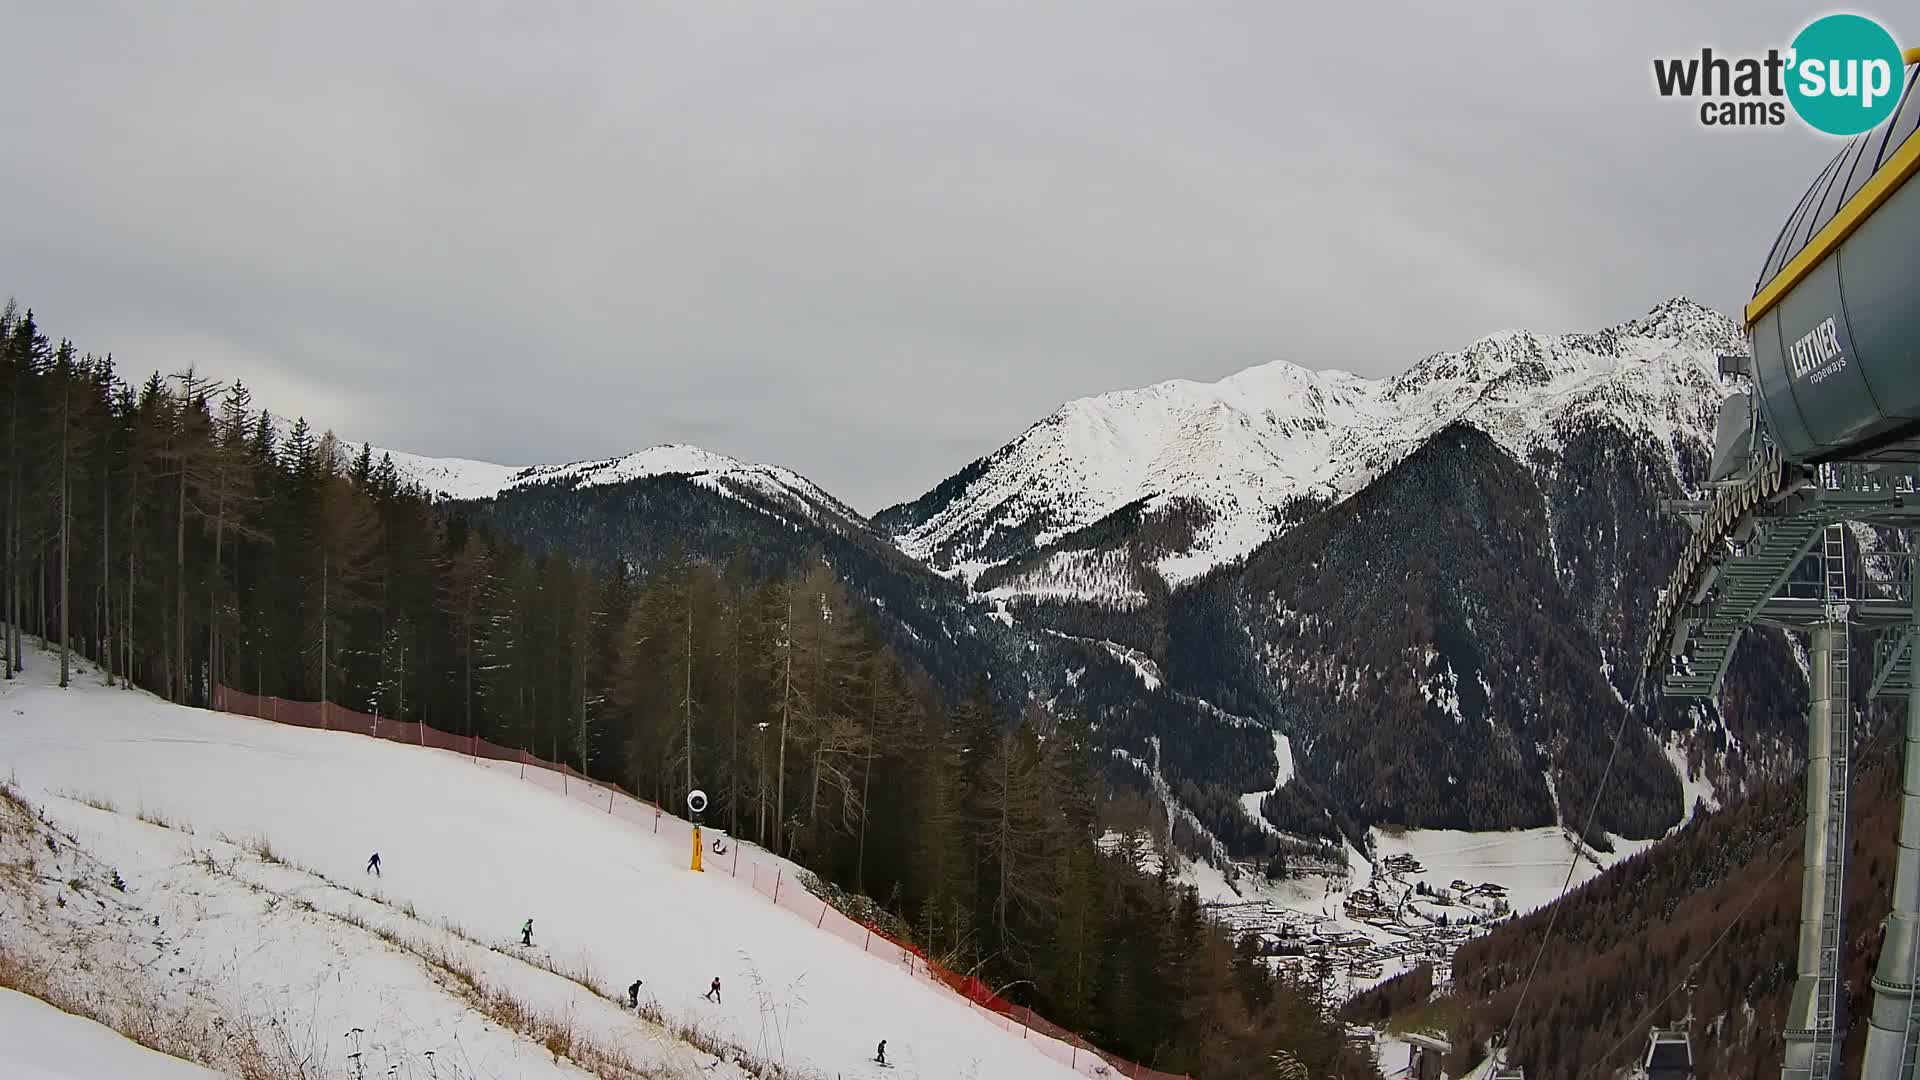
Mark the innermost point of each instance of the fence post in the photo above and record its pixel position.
(776, 884)
(609, 800)
(822, 920)
(736, 857)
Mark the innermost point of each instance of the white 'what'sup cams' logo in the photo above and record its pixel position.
(1842, 76)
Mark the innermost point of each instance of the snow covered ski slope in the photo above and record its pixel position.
(43, 1043)
(471, 848)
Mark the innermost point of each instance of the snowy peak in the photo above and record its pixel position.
(1231, 456)
(670, 459)
(454, 478)
(1685, 322)
(770, 487)
(679, 459)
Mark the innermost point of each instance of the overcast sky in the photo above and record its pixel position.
(870, 242)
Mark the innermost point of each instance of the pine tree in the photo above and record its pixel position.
(887, 728)
(346, 540)
(71, 429)
(467, 599)
(224, 486)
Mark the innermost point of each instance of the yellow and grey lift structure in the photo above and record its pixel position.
(1824, 434)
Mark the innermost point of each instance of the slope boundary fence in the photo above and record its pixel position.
(752, 865)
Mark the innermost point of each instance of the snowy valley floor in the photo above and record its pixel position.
(244, 933)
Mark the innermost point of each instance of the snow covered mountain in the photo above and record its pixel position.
(459, 478)
(1228, 463)
(641, 509)
(1198, 566)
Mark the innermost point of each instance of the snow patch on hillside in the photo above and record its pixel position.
(453, 478)
(1693, 789)
(1143, 666)
(1283, 770)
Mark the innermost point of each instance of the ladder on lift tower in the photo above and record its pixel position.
(1832, 946)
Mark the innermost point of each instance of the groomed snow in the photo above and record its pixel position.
(39, 1042)
(1283, 766)
(475, 845)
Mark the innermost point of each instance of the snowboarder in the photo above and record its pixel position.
(633, 995)
(373, 865)
(880, 1055)
(713, 992)
(526, 933)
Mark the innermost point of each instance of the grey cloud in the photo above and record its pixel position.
(866, 241)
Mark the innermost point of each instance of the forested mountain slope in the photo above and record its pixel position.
(1719, 903)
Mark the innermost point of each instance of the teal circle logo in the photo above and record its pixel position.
(1845, 74)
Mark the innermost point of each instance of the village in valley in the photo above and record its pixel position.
(1363, 930)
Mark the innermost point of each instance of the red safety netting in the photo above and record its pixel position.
(758, 869)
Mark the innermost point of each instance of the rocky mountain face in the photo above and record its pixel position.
(1181, 477)
(1434, 584)
(1443, 647)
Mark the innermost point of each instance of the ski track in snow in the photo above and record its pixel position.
(1283, 765)
(471, 843)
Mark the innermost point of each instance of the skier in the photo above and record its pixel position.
(526, 933)
(633, 995)
(880, 1055)
(373, 865)
(713, 992)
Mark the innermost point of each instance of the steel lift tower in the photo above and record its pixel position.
(1823, 439)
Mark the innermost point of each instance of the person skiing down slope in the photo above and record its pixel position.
(526, 933)
(373, 865)
(633, 995)
(713, 992)
(880, 1055)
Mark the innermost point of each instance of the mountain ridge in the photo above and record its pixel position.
(1246, 446)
